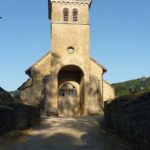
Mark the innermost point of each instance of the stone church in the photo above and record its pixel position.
(67, 81)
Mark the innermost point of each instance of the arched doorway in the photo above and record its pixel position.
(70, 85)
(68, 99)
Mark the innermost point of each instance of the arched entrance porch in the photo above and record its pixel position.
(71, 90)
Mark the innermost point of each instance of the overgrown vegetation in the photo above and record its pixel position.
(136, 86)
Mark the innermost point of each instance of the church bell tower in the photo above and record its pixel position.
(70, 33)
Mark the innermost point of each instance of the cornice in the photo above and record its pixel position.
(72, 1)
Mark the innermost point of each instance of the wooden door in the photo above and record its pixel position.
(68, 101)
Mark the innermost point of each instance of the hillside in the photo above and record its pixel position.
(132, 86)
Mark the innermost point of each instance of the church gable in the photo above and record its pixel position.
(97, 69)
(26, 84)
(42, 66)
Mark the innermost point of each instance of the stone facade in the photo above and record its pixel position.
(67, 81)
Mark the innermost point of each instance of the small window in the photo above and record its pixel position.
(68, 90)
(75, 15)
(65, 14)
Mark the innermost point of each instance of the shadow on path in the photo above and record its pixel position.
(66, 134)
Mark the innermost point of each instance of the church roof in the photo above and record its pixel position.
(104, 69)
(28, 71)
(26, 84)
(109, 84)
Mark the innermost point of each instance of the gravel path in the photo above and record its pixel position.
(65, 134)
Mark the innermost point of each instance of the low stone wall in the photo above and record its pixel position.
(6, 119)
(130, 117)
(17, 116)
(25, 116)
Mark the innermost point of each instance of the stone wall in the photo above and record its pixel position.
(5, 97)
(25, 116)
(130, 117)
(6, 119)
(17, 116)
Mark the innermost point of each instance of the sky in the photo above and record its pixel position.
(120, 38)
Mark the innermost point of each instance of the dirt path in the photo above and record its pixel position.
(65, 134)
